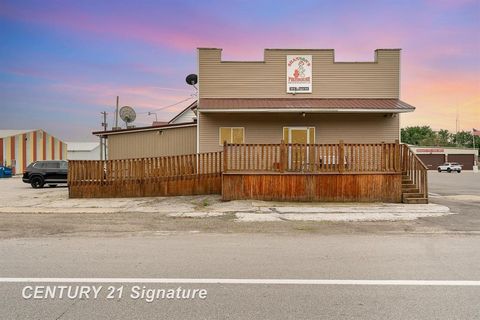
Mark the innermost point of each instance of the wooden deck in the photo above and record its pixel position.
(387, 172)
(314, 172)
(163, 176)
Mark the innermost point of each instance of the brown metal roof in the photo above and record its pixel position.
(149, 128)
(298, 103)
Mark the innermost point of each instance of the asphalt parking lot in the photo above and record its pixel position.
(461, 193)
(452, 184)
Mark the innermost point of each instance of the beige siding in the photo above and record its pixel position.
(329, 128)
(267, 79)
(175, 141)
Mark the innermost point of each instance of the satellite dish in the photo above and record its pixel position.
(192, 79)
(127, 114)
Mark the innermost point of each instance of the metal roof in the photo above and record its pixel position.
(191, 106)
(148, 128)
(393, 105)
(9, 133)
(82, 146)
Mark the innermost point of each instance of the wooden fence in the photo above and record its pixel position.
(312, 158)
(320, 172)
(162, 176)
(415, 170)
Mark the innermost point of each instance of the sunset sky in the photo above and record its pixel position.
(63, 62)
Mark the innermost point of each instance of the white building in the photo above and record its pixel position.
(83, 151)
(432, 157)
(189, 114)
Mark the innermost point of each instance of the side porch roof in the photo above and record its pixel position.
(303, 105)
(143, 129)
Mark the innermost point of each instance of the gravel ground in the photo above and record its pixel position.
(28, 212)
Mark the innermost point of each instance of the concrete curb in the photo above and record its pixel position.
(252, 213)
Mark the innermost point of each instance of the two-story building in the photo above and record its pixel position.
(300, 96)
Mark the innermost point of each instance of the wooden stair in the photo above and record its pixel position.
(411, 193)
(414, 177)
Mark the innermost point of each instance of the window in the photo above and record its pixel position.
(300, 135)
(52, 165)
(232, 135)
(39, 165)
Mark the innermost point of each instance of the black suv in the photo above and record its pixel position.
(49, 172)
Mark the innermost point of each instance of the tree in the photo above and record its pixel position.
(425, 136)
(444, 138)
(418, 135)
(465, 139)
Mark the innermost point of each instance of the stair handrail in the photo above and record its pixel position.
(414, 168)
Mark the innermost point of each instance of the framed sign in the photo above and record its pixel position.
(299, 74)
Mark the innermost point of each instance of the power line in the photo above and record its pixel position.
(193, 96)
(174, 104)
(103, 148)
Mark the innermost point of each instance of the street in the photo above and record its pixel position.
(205, 256)
(261, 270)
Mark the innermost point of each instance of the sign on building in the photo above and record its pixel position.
(430, 150)
(299, 73)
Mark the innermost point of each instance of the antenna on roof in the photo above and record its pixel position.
(192, 80)
(128, 115)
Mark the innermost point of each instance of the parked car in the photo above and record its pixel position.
(5, 172)
(51, 172)
(450, 166)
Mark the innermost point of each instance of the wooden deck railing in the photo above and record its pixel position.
(312, 158)
(202, 173)
(304, 158)
(92, 171)
(414, 169)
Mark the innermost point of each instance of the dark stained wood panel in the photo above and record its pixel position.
(382, 187)
(155, 187)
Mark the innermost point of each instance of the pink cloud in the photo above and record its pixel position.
(115, 26)
(146, 98)
(121, 27)
(437, 96)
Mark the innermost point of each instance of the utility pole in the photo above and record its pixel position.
(475, 158)
(116, 115)
(103, 150)
(473, 138)
(154, 113)
(456, 127)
